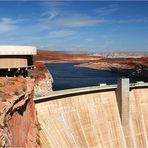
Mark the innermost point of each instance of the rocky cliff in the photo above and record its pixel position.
(43, 80)
(18, 121)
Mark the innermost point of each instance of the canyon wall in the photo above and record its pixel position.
(18, 121)
(92, 120)
(43, 86)
(43, 80)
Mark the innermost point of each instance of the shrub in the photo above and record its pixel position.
(24, 81)
(38, 141)
(2, 84)
(24, 88)
(32, 77)
(38, 126)
(16, 92)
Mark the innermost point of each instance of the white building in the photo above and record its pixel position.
(16, 60)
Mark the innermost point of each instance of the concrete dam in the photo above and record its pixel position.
(108, 116)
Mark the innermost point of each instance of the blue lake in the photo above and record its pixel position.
(67, 76)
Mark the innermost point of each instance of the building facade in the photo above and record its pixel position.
(16, 60)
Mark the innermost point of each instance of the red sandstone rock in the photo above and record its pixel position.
(18, 122)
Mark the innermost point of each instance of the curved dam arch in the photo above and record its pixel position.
(92, 119)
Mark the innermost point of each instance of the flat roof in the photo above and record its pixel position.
(17, 50)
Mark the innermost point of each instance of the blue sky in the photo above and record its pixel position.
(75, 26)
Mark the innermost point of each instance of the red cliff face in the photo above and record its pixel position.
(18, 122)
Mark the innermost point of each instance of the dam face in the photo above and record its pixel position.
(93, 120)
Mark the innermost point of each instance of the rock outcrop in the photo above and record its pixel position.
(18, 121)
(43, 80)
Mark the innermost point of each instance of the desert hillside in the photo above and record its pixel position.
(47, 56)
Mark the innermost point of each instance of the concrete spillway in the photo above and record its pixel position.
(93, 120)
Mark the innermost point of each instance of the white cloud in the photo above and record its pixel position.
(79, 21)
(49, 15)
(141, 20)
(61, 33)
(52, 4)
(107, 10)
(52, 9)
(56, 16)
(8, 25)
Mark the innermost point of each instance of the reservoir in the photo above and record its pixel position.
(67, 76)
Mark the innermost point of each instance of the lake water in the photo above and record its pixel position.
(67, 76)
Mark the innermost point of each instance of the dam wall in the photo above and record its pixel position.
(93, 120)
